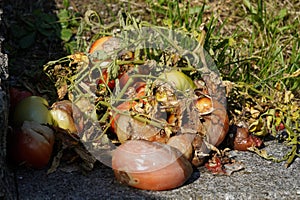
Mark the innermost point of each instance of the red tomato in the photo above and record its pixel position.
(140, 89)
(31, 145)
(215, 166)
(140, 86)
(123, 78)
(243, 140)
(105, 79)
(280, 127)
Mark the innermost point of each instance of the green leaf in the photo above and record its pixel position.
(27, 40)
(71, 47)
(197, 9)
(66, 3)
(66, 34)
(45, 29)
(282, 13)
(46, 32)
(249, 6)
(18, 34)
(49, 18)
(64, 17)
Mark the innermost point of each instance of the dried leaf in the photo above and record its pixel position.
(62, 90)
(56, 161)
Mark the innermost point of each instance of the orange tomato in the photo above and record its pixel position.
(98, 44)
(204, 105)
(150, 165)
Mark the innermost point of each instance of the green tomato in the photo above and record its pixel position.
(181, 81)
(32, 108)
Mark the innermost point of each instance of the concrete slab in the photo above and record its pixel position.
(261, 179)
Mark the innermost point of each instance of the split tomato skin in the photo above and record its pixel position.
(31, 148)
(150, 165)
(31, 140)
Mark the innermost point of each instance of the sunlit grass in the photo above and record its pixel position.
(252, 42)
(255, 45)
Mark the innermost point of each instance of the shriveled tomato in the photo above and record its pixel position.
(33, 108)
(31, 145)
(243, 140)
(215, 165)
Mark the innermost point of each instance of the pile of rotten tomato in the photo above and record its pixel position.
(152, 112)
